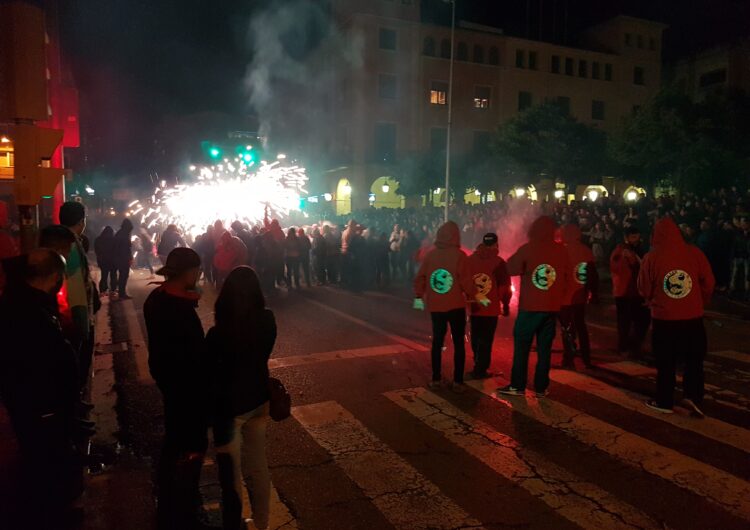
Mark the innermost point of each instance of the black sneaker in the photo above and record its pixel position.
(652, 404)
(509, 391)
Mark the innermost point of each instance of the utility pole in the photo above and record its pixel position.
(450, 111)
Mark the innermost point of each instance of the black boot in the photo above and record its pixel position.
(231, 503)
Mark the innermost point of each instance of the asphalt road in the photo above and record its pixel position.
(370, 447)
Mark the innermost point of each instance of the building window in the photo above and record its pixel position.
(532, 60)
(563, 103)
(519, 59)
(555, 64)
(583, 69)
(428, 48)
(387, 39)
(597, 110)
(494, 58)
(387, 86)
(639, 75)
(639, 39)
(445, 49)
(636, 109)
(652, 44)
(478, 54)
(524, 100)
(482, 142)
(628, 39)
(568, 66)
(438, 93)
(608, 72)
(385, 142)
(438, 139)
(715, 77)
(482, 96)
(462, 52)
(595, 72)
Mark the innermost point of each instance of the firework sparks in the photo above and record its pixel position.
(226, 193)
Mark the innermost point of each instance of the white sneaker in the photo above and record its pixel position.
(695, 412)
(652, 404)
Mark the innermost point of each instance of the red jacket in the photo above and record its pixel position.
(443, 278)
(624, 264)
(584, 277)
(544, 269)
(675, 278)
(491, 279)
(231, 252)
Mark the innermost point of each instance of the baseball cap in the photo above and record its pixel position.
(180, 260)
(490, 239)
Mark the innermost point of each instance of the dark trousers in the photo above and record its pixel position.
(382, 272)
(109, 278)
(305, 264)
(482, 336)
(85, 358)
(633, 319)
(457, 320)
(683, 340)
(530, 324)
(573, 322)
(292, 271)
(122, 280)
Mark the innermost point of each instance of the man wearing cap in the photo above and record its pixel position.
(491, 279)
(176, 361)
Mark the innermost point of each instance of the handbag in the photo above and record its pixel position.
(280, 402)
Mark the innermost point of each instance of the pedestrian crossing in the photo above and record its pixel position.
(409, 499)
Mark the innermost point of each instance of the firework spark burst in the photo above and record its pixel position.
(227, 193)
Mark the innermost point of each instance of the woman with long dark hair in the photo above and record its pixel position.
(240, 344)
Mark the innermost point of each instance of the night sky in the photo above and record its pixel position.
(145, 67)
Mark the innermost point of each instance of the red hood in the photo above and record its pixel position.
(485, 252)
(571, 233)
(448, 235)
(542, 229)
(226, 238)
(667, 234)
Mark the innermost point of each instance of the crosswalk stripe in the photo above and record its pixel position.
(727, 491)
(733, 355)
(140, 351)
(708, 427)
(628, 368)
(579, 501)
(406, 498)
(374, 351)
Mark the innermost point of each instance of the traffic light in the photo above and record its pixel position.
(245, 153)
(32, 147)
(212, 151)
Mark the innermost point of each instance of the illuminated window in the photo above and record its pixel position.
(482, 96)
(387, 39)
(438, 93)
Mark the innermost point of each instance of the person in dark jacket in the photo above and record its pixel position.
(305, 246)
(123, 255)
(39, 386)
(170, 240)
(104, 248)
(239, 347)
(291, 258)
(176, 361)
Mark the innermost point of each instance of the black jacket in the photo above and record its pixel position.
(104, 248)
(38, 370)
(122, 249)
(241, 374)
(176, 346)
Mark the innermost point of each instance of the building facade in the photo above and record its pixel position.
(394, 100)
(723, 68)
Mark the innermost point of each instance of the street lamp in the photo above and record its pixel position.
(593, 195)
(559, 194)
(450, 111)
(632, 195)
(520, 192)
(386, 188)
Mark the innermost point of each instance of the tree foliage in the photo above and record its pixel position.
(690, 145)
(545, 140)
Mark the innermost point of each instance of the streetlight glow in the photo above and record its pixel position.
(346, 188)
(559, 194)
(386, 188)
(632, 196)
(593, 195)
(327, 196)
(520, 192)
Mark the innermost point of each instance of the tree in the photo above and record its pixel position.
(419, 173)
(545, 140)
(690, 145)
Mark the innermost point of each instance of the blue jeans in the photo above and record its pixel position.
(530, 324)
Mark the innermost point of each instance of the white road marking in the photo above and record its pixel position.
(337, 355)
(395, 338)
(733, 355)
(577, 500)
(137, 342)
(708, 427)
(406, 498)
(628, 368)
(723, 489)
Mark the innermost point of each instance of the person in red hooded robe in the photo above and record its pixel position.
(677, 282)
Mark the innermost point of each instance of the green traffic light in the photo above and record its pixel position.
(214, 152)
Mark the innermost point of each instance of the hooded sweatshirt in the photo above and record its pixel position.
(490, 276)
(544, 268)
(230, 253)
(443, 277)
(584, 276)
(675, 278)
(624, 264)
